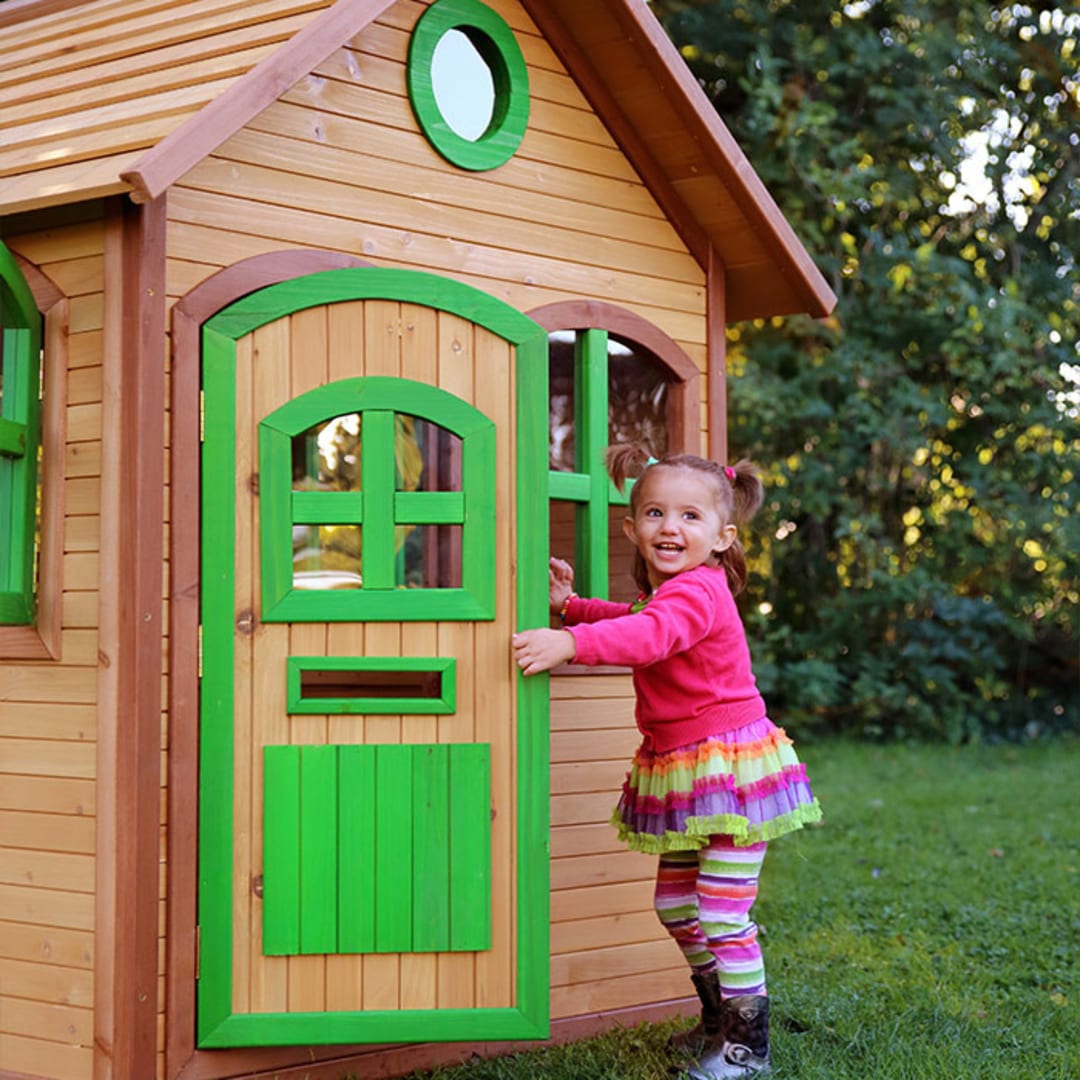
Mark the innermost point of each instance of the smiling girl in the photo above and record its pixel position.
(714, 779)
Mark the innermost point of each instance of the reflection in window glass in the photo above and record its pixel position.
(637, 397)
(326, 457)
(463, 85)
(426, 457)
(326, 557)
(561, 403)
(429, 557)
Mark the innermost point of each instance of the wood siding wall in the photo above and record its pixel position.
(339, 164)
(48, 726)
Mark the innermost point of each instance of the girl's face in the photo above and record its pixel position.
(677, 524)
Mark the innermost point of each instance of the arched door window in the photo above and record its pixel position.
(378, 503)
(614, 377)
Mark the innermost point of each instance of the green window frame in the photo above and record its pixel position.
(20, 431)
(377, 507)
(498, 48)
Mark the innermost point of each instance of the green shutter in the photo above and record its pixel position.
(376, 849)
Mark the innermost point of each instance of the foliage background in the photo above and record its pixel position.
(915, 567)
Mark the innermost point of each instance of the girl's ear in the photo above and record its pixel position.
(725, 540)
(628, 530)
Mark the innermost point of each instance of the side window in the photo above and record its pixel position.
(378, 502)
(20, 425)
(623, 381)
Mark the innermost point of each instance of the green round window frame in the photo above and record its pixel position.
(498, 48)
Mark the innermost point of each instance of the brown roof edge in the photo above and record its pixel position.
(206, 130)
(724, 153)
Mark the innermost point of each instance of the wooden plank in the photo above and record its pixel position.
(575, 871)
(46, 1021)
(48, 721)
(47, 795)
(568, 905)
(82, 459)
(596, 839)
(583, 998)
(47, 944)
(606, 931)
(639, 959)
(568, 778)
(591, 687)
(588, 809)
(318, 849)
(45, 982)
(44, 1061)
(48, 907)
(47, 869)
(613, 744)
(46, 832)
(24, 682)
(40, 757)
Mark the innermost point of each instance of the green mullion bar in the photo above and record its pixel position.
(327, 507)
(356, 849)
(281, 850)
(318, 849)
(275, 512)
(393, 848)
(567, 485)
(429, 507)
(591, 436)
(470, 847)
(431, 849)
(377, 470)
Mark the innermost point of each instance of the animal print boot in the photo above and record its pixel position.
(741, 1048)
(697, 1040)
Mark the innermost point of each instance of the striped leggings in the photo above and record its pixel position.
(703, 898)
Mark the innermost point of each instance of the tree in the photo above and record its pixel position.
(917, 570)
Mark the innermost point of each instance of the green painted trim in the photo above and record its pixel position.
(431, 849)
(470, 847)
(497, 46)
(372, 283)
(12, 438)
(380, 1026)
(528, 1019)
(356, 850)
(326, 507)
(571, 486)
(217, 591)
(429, 507)
(20, 429)
(318, 849)
(591, 437)
(281, 857)
(377, 487)
(445, 704)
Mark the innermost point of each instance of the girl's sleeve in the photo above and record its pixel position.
(675, 619)
(583, 610)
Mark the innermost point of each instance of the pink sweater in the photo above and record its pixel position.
(688, 649)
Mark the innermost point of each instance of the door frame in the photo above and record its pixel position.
(530, 1018)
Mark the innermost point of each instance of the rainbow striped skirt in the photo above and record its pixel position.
(747, 784)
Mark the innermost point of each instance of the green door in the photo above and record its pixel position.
(373, 771)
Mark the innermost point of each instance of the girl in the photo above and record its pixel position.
(714, 779)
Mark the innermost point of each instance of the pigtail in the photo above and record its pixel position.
(747, 495)
(624, 460)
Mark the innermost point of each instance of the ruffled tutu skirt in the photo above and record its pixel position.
(747, 784)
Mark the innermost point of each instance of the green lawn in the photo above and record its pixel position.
(930, 930)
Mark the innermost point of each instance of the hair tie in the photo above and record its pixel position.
(652, 461)
(729, 472)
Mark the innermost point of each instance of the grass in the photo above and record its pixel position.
(930, 930)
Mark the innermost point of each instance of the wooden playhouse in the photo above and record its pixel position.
(306, 370)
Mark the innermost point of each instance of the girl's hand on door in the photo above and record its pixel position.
(542, 649)
(560, 584)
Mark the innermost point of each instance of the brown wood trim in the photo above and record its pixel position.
(675, 81)
(188, 315)
(716, 357)
(129, 701)
(381, 1063)
(684, 408)
(558, 30)
(206, 130)
(42, 640)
